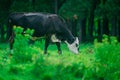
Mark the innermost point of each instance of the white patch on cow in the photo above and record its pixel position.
(54, 38)
(74, 46)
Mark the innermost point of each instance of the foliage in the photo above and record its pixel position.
(97, 62)
(110, 8)
(28, 6)
(22, 6)
(22, 51)
(107, 56)
(76, 7)
(28, 59)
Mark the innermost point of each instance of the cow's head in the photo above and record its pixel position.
(74, 47)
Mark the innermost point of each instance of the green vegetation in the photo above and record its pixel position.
(87, 19)
(107, 56)
(95, 62)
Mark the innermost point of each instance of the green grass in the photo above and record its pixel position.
(98, 61)
(92, 63)
(44, 67)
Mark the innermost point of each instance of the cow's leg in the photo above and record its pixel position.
(11, 45)
(11, 41)
(47, 41)
(58, 46)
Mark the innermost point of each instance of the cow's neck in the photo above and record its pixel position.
(69, 38)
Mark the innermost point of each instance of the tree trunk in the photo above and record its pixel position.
(4, 12)
(99, 30)
(2, 32)
(56, 6)
(91, 21)
(82, 30)
(74, 27)
(119, 30)
(90, 27)
(105, 25)
(33, 4)
(114, 26)
(69, 24)
(60, 3)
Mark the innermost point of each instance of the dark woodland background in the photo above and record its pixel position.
(87, 19)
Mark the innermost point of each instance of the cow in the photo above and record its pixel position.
(52, 26)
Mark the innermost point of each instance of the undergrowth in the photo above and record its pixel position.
(94, 62)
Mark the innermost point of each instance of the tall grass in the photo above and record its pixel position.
(107, 54)
(94, 62)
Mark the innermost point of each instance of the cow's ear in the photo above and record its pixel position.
(77, 40)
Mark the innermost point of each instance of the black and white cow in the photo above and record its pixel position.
(44, 24)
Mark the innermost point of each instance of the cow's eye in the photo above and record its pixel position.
(76, 45)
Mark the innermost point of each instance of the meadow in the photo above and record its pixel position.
(96, 61)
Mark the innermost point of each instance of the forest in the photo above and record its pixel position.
(95, 22)
(86, 19)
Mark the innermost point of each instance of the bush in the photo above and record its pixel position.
(22, 50)
(98, 62)
(107, 54)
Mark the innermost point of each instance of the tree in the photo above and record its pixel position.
(79, 9)
(88, 12)
(4, 11)
(92, 9)
(107, 13)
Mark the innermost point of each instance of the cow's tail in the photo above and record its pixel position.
(9, 30)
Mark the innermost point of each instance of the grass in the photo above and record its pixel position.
(98, 61)
(32, 64)
(44, 67)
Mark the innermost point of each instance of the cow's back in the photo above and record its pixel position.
(40, 22)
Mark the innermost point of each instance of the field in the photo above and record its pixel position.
(34, 65)
(97, 61)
